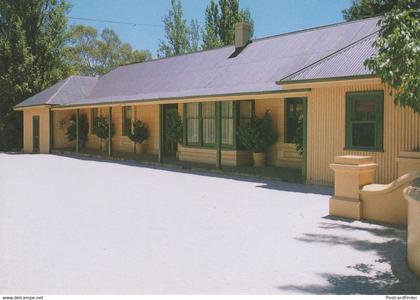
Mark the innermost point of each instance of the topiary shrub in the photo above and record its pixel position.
(139, 133)
(257, 135)
(101, 128)
(83, 130)
(174, 127)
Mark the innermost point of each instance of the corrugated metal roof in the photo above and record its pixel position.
(346, 62)
(63, 92)
(212, 72)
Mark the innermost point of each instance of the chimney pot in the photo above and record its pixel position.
(242, 34)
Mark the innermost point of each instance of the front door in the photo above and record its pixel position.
(35, 134)
(170, 116)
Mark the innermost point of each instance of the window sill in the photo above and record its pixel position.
(364, 149)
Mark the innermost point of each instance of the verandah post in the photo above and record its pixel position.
(77, 131)
(160, 151)
(218, 135)
(110, 131)
(51, 130)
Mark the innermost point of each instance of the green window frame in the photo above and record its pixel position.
(127, 116)
(365, 120)
(293, 112)
(93, 116)
(200, 122)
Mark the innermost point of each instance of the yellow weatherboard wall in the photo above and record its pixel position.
(326, 131)
(44, 129)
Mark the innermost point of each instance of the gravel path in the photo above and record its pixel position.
(70, 226)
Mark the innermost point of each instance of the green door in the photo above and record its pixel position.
(35, 134)
(170, 112)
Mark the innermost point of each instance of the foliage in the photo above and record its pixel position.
(139, 133)
(32, 38)
(174, 126)
(83, 129)
(89, 54)
(298, 140)
(398, 58)
(180, 38)
(220, 21)
(257, 135)
(101, 128)
(361, 9)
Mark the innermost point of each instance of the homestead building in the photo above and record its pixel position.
(316, 74)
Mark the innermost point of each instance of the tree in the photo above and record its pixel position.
(398, 58)
(90, 54)
(220, 21)
(139, 133)
(32, 38)
(83, 130)
(180, 38)
(361, 9)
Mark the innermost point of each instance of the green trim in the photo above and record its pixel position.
(51, 129)
(161, 126)
(110, 131)
(274, 92)
(184, 123)
(77, 131)
(305, 139)
(218, 135)
(377, 96)
(280, 82)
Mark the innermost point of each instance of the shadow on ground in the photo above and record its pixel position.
(272, 184)
(400, 280)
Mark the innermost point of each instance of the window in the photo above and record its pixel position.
(246, 111)
(294, 111)
(227, 123)
(94, 115)
(200, 120)
(364, 120)
(193, 123)
(208, 114)
(126, 120)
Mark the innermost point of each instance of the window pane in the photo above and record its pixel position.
(209, 122)
(363, 134)
(363, 110)
(294, 111)
(193, 123)
(227, 123)
(245, 109)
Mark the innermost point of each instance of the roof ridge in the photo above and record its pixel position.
(59, 89)
(253, 40)
(328, 56)
(316, 28)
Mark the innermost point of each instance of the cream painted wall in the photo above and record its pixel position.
(326, 132)
(44, 129)
(281, 154)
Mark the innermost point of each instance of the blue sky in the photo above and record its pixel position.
(270, 16)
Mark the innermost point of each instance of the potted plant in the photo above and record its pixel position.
(174, 128)
(257, 136)
(101, 130)
(138, 134)
(83, 130)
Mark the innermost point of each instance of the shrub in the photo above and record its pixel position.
(298, 140)
(257, 135)
(174, 127)
(83, 130)
(139, 133)
(101, 128)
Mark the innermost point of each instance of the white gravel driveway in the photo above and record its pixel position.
(71, 226)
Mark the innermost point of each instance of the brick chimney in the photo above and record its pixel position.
(242, 34)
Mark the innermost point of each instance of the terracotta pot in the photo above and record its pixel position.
(259, 159)
(104, 145)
